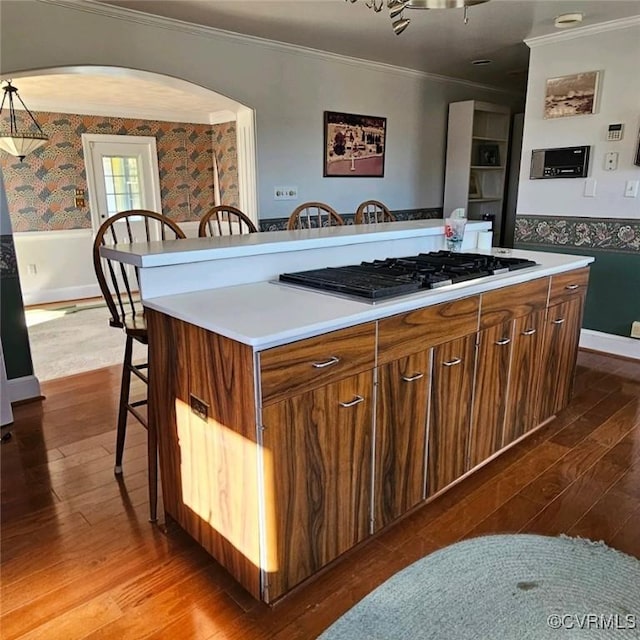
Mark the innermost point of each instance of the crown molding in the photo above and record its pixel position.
(582, 32)
(139, 17)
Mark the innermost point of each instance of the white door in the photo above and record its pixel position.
(122, 174)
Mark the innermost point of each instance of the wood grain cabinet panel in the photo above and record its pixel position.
(522, 401)
(450, 412)
(401, 427)
(567, 285)
(317, 448)
(560, 350)
(308, 364)
(490, 394)
(511, 302)
(407, 333)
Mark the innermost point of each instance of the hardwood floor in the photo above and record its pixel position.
(80, 560)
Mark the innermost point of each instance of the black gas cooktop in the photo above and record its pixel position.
(393, 277)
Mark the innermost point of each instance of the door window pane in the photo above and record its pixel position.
(121, 182)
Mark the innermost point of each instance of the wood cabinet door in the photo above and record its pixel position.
(317, 478)
(490, 393)
(522, 401)
(401, 429)
(450, 412)
(561, 335)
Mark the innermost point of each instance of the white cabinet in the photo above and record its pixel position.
(477, 146)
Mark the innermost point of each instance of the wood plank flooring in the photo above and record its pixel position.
(79, 559)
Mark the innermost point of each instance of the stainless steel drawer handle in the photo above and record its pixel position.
(452, 362)
(503, 341)
(326, 363)
(558, 321)
(528, 332)
(356, 400)
(415, 376)
(572, 287)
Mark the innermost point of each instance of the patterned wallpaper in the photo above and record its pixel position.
(41, 189)
(606, 234)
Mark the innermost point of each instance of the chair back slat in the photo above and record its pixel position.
(225, 220)
(314, 214)
(373, 212)
(120, 284)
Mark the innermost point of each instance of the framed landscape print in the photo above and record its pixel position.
(573, 95)
(354, 145)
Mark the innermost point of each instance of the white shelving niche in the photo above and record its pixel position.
(477, 148)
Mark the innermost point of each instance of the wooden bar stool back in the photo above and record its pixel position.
(119, 285)
(225, 220)
(312, 215)
(372, 212)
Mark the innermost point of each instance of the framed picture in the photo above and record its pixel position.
(354, 145)
(475, 191)
(573, 95)
(488, 155)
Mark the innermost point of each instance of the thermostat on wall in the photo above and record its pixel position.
(614, 132)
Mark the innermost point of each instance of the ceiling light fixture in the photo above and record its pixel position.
(567, 20)
(396, 7)
(19, 141)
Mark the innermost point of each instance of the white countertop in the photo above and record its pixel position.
(266, 314)
(189, 250)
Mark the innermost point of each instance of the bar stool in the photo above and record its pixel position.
(225, 220)
(372, 212)
(119, 285)
(313, 214)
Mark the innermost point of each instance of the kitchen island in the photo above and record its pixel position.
(293, 425)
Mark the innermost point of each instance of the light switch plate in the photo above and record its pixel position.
(631, 189)
(590, 188)
(285, 193)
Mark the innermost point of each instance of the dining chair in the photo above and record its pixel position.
(225, 220)
(372, 212)
(313, 215)
(119, 286)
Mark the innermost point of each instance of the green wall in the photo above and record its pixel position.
(613, 298)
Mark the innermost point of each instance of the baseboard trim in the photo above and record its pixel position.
(24, 388)
(610, 343)
(60, 295)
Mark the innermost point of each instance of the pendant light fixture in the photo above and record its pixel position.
(396, 7)
(19, 140)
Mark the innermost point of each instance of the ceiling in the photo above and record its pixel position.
(436, 41)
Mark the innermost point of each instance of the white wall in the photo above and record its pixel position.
(289, 88)
(616, 54)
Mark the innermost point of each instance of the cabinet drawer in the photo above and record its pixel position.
(307, 364)
(512, 302)
(566, 285)
(407, 333)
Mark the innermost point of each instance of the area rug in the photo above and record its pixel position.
(74, 339)
(504, 587)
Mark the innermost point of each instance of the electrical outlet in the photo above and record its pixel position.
(285, 193)
(611, 161)
(32, 269)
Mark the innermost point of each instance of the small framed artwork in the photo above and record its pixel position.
(573, 95)
(475, 191)
(488, 155)
(354, 145)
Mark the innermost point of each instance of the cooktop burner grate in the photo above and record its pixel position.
(393, 277)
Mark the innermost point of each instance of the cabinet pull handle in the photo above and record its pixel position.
(558, 321)
(528, 332)
(356, 400)
(572, 287)
(503, 341)
(326, 363)
(415, 376)
(452, 362)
